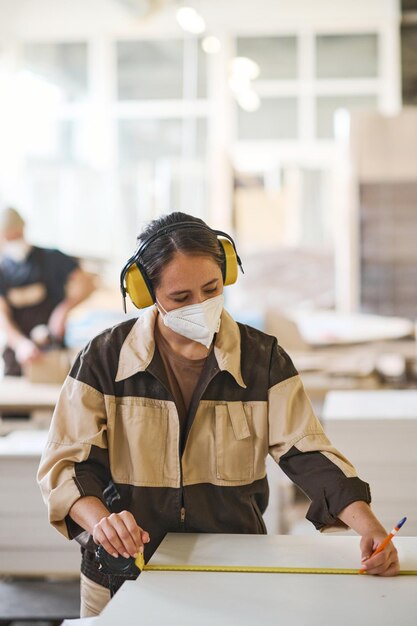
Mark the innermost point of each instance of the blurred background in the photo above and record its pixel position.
(290, 125)
(115, 111)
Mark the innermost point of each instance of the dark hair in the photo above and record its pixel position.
(190, 240)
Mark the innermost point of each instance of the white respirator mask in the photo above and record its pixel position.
(17, 250)
(198, 322)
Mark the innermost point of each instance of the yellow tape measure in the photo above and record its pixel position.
(247, 569)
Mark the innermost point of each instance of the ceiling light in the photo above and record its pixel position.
(190, 20)
(239, 84)
(141, 8)
(211, 45)
(242, 66)
(248, 100)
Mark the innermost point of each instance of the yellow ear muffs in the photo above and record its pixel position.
(135, 282)
(230, 261)
(137, 288)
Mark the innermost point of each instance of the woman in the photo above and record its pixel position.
(177, 411)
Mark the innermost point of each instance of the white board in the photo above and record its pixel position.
(245, 599)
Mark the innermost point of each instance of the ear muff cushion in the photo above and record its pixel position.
(231, 266)
(137, 288)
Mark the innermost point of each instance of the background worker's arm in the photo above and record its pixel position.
(79, 286)
(25, 349)
(118, 533)
(361, 519)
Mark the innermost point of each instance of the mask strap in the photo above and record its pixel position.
(160, 306)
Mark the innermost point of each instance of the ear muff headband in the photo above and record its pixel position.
(135, 282)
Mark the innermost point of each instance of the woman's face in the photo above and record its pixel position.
(189, 279)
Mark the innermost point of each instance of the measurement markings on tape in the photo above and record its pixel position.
(247, 569)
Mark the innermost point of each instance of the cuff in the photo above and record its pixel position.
(73, 529)
(324, 511)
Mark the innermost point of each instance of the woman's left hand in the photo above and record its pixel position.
(385, 563)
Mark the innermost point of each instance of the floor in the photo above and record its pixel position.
(38, 602)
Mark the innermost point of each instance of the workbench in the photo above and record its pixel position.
(29, 546)
(21, 397)
(187, 598)
(17, 393)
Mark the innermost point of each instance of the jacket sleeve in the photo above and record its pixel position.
(299, 445)
(75, 460)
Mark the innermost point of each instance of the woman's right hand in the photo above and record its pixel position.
(119, 533)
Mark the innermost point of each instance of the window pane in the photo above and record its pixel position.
(162, 167)
(347, 56)
(327, 106)
(150, 70)
(276, 56)
(149, 140)
(59, 141)
(64, 65)
(276, 118)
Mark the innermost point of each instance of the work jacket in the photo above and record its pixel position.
(116, 422)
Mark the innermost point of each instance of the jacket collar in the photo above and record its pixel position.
(138, 348)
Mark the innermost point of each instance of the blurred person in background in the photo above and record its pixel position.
(38, 288)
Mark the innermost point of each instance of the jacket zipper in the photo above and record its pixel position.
(195, 402)
(202, 390)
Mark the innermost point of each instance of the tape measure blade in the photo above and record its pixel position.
(259, 570)
(247, 570)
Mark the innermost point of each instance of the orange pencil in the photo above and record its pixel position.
(386, 541)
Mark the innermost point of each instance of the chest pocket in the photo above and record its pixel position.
(137, 443)
(234, 442)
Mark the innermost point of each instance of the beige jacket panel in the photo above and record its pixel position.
(227, 444)
(70, 442)
(143, 437)
(292, 422)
